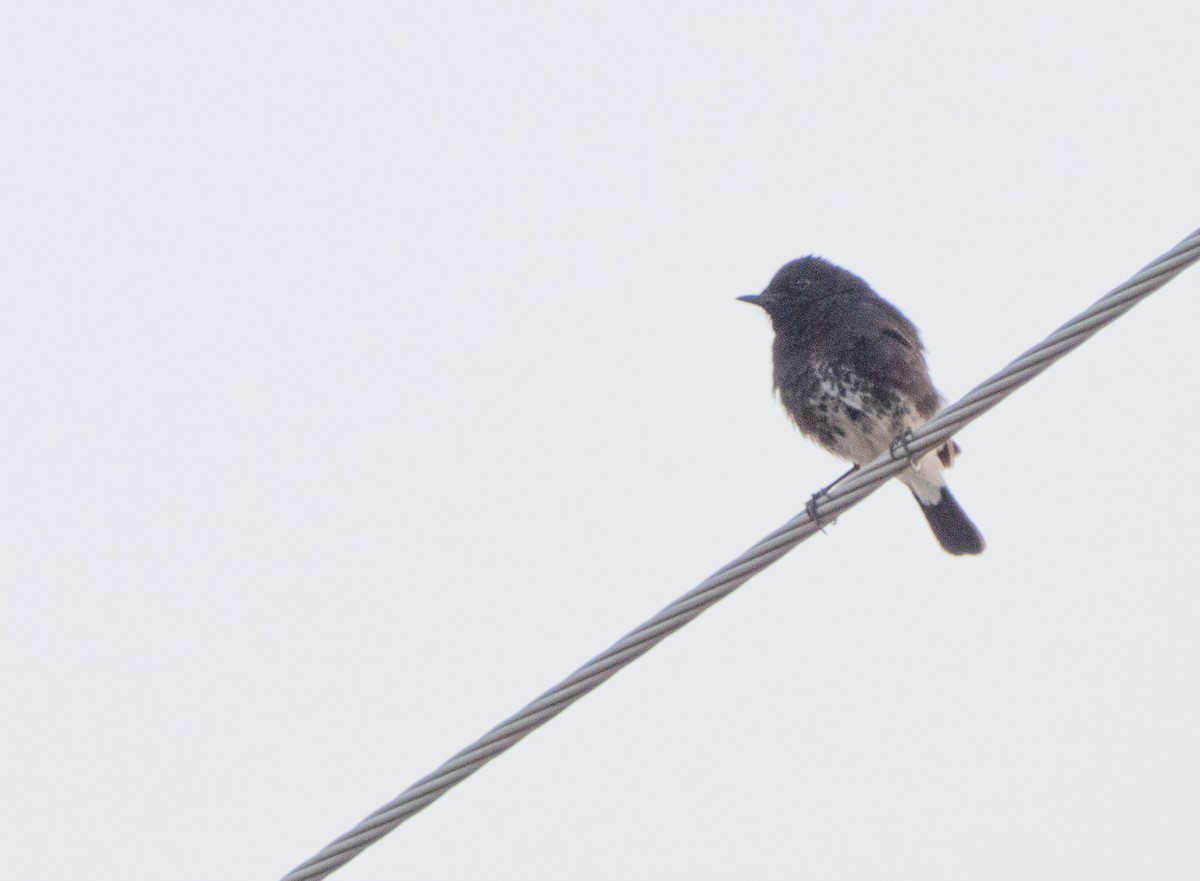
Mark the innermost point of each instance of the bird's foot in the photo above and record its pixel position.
(811, 508)
(901, 443)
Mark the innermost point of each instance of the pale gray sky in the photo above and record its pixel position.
(366, 367)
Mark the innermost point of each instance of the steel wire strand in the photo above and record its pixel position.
(845, 495)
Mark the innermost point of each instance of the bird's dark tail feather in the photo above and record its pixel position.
(952, 526)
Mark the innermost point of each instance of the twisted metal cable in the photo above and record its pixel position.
(722, 583)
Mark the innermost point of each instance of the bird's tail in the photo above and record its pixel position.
(951, 524)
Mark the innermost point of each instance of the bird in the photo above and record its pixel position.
(850, 370)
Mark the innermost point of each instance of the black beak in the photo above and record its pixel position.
(752, 298)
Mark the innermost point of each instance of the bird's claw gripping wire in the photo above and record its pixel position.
(901, 443)
(811, 508)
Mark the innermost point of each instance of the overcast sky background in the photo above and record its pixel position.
(367, 367)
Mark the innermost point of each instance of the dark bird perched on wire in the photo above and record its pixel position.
(850, 371)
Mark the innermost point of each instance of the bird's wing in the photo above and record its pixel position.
(893, 354)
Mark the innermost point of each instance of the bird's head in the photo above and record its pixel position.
(800, 283)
